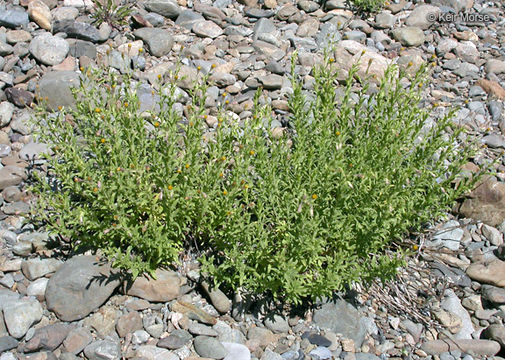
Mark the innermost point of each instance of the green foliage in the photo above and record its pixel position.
(111, 12)
(368, 6)
(297, 215)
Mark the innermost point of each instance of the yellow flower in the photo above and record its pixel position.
(141, 50)
(410, 64)
(126, 104)
(225, 192)
(226, 102)
(179, 171)
(129, 45)
(223, 94)
(252, 152)
(420, 85)
(156, 124)
(332, 60)
(187, 166)
(95, 189)
(221, 175)
(191, 123)
(118, 169)
(81, 68)
(415, 247)
(223, 158)
(246, 186)
(116, 217)
(198, 68)
(176, 77)
(102, 140)
(159, 76)
(170, 187)
(337, 133)
(213, 66)
(314, 196)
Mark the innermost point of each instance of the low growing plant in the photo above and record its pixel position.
(112, 12)
(367, 6)
(297, 215)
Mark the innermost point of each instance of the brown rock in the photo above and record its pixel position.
(492, 88)
(263, 337)
(77, 340)
(477, 347)
(19, 97)
(193, 312)
(11, 175)
(486, 202)
(103, 321)
(128, 323)
(493, 294)
(165, 287)
(47, 337)
(40, 13)
(495, 332)
(491, 273)
(218, 298)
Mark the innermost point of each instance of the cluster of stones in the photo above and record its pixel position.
(53, 308)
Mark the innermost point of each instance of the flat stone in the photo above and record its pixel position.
(188, 18)
(277, 324)
(36, 268)
(164, 288)
(495, 66)
(341, 317)
(467, 51)
(6, 111)
(40, 13)
(167, 8)
(11, 175)
(37, 287)
(159, 41)
(77, 339)
(20, 315)
(5, 49)
(209, 347)
(421, 16)
(321, 353)
(103, 321)
(78, 30)
(176, 340)
(270, 355)
(493, 294)
(19, 97)
(150, 352)
(207, 29)
(193, 312)
(236, 351)
(128, 323)
(7, 343)
(491, 273)
(13, 18)
(477, 347)
(103, 350)
(55, 88)
(15, 36)
(495, 332)
(79, 287)
(485, 202)
(264, 337)
(47, 338)
(492, 88)
(349, 52)
(492, 234)
(409, 36)
(49, 49)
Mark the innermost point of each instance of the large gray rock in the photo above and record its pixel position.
(341, 317)
(13, 18)
(209, 347)
(167, 8)
(422, 16)
(409, 36)
(453, 304)
(78, 30)
(159, 41)
(47, 338)
(6, 111)
(103, 350)
(35, 268)
(48, 49)
(55, 88)
(80, 286)
(19, 315)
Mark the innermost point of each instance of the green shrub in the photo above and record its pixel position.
(367, 6)
(297, 215)
(110, 12)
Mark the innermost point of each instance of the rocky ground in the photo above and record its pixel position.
(449, 303)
